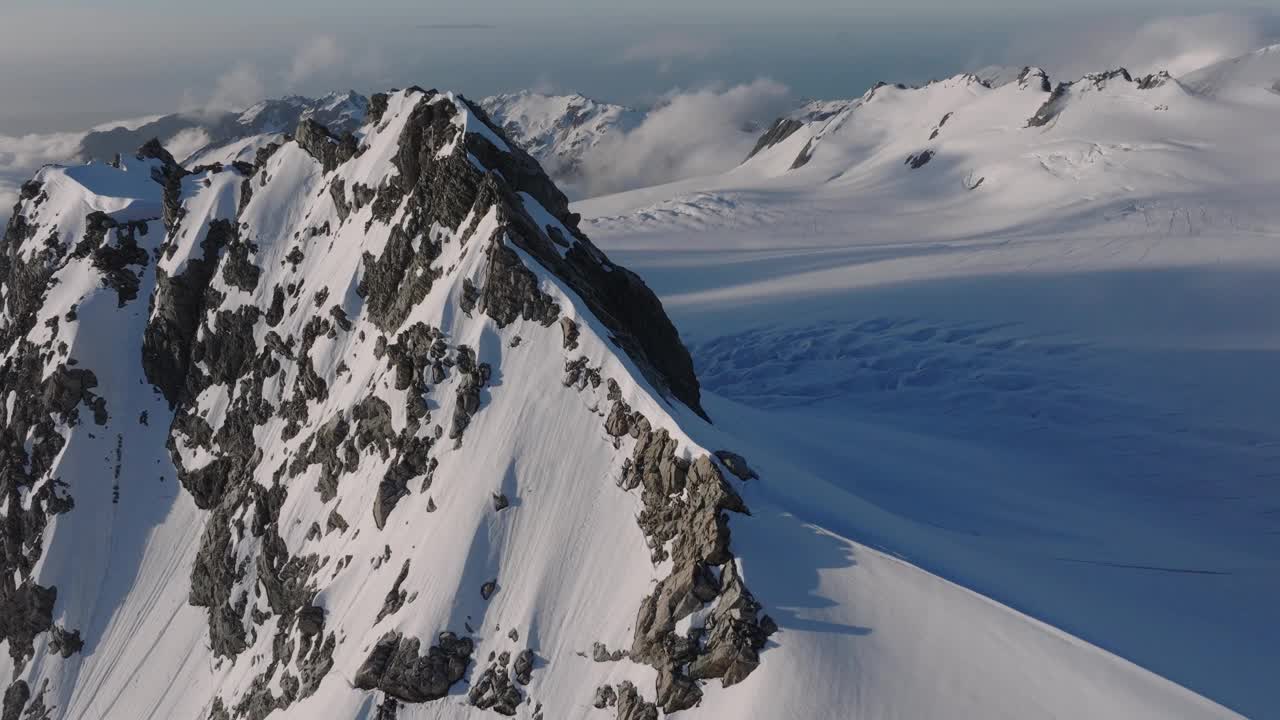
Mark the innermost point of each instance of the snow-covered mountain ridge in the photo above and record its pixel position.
(361, 424)
(202, 137)
(330, 334)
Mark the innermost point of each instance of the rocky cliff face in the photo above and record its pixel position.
(363, 425)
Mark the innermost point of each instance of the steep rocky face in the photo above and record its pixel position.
(327, 352)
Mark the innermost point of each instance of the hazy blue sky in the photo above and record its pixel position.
(68, 63)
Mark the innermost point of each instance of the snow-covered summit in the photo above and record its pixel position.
(1244, 77)
(381, 432)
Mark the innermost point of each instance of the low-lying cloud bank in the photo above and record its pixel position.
(689, 133)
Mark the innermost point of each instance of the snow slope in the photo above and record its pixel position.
(1038, 364)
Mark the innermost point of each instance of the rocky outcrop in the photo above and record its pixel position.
(497, 688)
(632, 705)
(328, 150)
(920, 159)
(736, 465)
(686, 506)
(177, 309)
(1034, 77)
(781, 129)
(26, 610)
(15, 699)
(395, 667)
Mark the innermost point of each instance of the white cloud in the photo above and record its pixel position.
(1184, 44)
(318, 54)
(238, 88)
(1179, 44)
(689, 134)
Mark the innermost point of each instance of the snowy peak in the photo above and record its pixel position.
(1112, 84)
(558, 130)
(1251, 77)
(382, 361)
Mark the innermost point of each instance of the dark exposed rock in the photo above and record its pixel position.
(803, 158)
(275, 313)
(15, 699)
(311, 620)
(500, 502)
(398, 279)
(474, 378)
(632, 706)
(470, 294)
(388, 709)
(735, 636)
(338, 191)
(335, 522)
(488, 588)
(1034, 76)
(522, 668)
(1154, 80)
(178, 306)
(395, 598)
(320, 144)
(65, 642)
(113, 260)
(685, 506)
(605, 697)
(377, 107)
(395, 667)
(218, 710)
(737, 465)
(676, 691)
(38, 710)
(494, 690)
(600, 653)
(919, 159)
(1049, 111)
(238, 270)
(570, 330)
(26, 610)
(511, 291)
(781, 129)
(66, 388)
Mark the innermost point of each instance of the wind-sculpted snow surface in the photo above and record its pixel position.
(1020, 335)
(364, 428)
